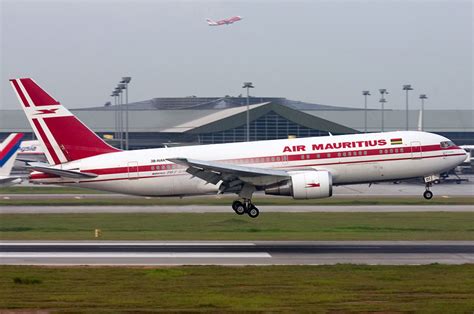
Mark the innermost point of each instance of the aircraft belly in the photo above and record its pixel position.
(173, 185)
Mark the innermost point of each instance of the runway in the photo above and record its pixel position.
(235, 253)
(226, 209)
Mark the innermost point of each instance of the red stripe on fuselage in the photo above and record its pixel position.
(46, 141)
(20, 92)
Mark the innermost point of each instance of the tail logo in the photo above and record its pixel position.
(46, 111)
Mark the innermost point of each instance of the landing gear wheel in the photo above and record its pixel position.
(428, 195)
(235, 204)
(253, 211)
(238, 207)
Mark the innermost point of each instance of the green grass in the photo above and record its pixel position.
(213, 201)
(228, 226)
(339, 288)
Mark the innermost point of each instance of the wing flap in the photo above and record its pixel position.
(231, 175)
(229, 168)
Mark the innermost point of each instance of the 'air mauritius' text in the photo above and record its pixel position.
(328, 146)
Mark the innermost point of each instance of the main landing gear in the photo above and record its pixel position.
(246, 207)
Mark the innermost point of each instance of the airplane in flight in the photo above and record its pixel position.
(303, 168)
(227, 21)
(8, 152)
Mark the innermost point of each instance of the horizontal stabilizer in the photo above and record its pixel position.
(74, 174)
(4, 182)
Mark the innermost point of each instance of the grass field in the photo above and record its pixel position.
(213, 201)
(228, 226)
(339, 288)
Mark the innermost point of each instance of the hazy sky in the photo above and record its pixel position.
(319, 51)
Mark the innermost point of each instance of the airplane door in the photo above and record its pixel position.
(132, 170)
(416, 150)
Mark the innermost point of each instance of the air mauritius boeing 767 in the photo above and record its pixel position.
(305, 168)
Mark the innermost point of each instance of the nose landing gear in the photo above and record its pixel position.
(428, 195)
(428, 183)
(246, 207)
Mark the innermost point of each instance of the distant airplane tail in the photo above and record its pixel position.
(63, 137)
(211, 22)
(8, 151)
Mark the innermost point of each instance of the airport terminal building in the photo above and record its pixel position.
(206, 120)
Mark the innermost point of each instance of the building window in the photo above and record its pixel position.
(268, 127)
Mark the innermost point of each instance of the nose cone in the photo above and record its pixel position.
(464, 156)
(459, 157)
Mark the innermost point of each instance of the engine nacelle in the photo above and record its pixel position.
(304, 185)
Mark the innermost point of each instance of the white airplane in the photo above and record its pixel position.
(8, 152)
(227, 21)
(305, 168)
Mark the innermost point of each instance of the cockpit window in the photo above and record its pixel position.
(447, 144)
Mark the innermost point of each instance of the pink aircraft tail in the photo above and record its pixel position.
(63, 137)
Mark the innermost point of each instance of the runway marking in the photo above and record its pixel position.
(13, 243)
(135, 255)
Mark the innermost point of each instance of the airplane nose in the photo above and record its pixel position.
(462, 155)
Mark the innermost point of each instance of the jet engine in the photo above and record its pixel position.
(304, 185)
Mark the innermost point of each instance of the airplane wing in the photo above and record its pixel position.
(74, 174)
(234, 177)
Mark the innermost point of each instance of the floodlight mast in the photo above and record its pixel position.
(365, 93)
(382, 101)
(248, 85)
(121, 87)
(407, 88)
(118, 91)
(126, 80)
(423, 97)
(115, 94)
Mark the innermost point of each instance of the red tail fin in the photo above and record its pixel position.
(63, 137)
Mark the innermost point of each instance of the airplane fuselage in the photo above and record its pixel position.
(350, 159)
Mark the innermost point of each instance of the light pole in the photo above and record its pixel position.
(248, 85)
(115, 94)
(407, 88)
(126, 80)
(365, 93)
(382, 101)
(120, 87)
(117, 114)
(422, 97)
